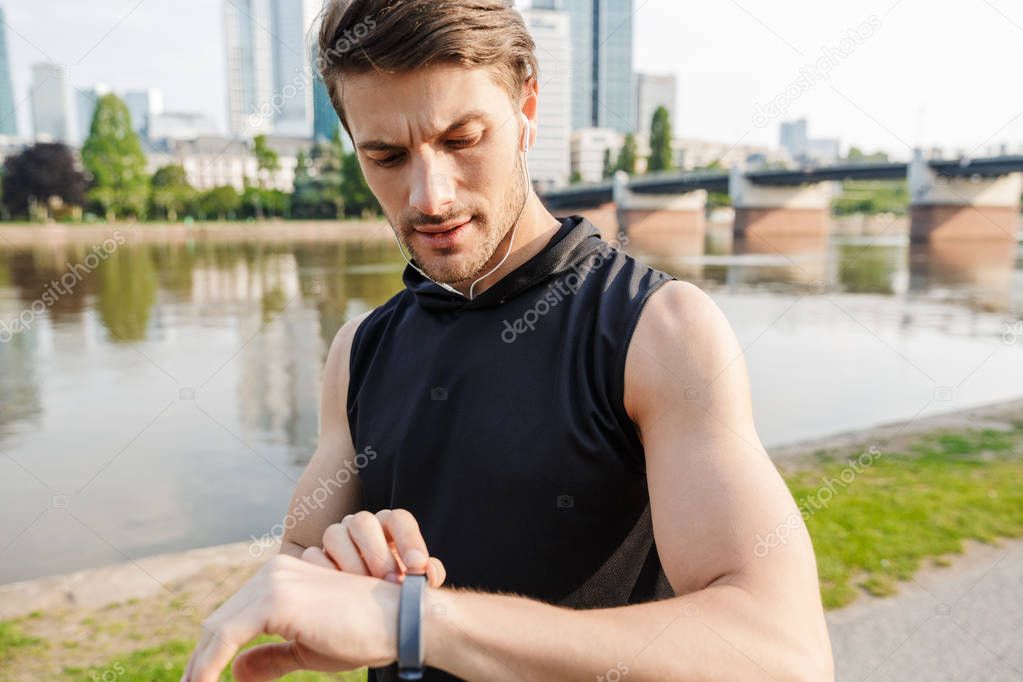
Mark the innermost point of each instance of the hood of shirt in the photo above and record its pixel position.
(571, 245)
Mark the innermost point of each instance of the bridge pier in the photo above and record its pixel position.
(954, 207)
(772, 211)
(650, 217)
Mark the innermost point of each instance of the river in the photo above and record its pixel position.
(169, 399)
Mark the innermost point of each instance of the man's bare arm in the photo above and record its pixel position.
(315, 505)
(741, 614)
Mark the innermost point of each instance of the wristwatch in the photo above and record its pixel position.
(410, 628)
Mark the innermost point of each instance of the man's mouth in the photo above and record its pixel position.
(443, 236)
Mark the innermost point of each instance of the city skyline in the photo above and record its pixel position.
(601, 36)
(887, 91)
(268, 46)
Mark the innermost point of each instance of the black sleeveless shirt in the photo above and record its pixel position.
(499, 423)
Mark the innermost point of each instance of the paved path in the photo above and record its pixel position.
(962, 623)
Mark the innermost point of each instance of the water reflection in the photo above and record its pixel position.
(870, 268)
(127, 292)
(172, 396)
(19, 387)
(983, 275)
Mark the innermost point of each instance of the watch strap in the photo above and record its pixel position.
(410, 628)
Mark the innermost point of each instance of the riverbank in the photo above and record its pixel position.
(909, 505)
(14, 234)
(57, 234)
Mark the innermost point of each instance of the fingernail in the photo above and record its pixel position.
(414, 557)
(391, 577)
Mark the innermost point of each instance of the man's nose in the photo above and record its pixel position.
(432, 186)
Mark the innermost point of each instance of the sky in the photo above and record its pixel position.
(915, 72)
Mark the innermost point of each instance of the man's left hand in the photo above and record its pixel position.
(385, 545)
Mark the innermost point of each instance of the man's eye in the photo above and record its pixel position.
(464, 141)
(389, 161)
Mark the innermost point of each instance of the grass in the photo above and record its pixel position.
(878, 528)
(14, 641)
(881, 521)
(166, 663)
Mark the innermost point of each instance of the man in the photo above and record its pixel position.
(561, 433)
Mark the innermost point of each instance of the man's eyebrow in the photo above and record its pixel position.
(383, 146)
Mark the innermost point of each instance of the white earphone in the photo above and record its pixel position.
(523, 148)
(524, 142)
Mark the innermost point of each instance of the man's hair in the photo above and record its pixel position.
(399, 36)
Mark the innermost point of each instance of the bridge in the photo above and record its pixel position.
(949, 199)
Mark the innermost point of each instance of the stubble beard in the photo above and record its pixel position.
(466, 269)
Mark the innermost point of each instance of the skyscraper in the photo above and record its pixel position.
(293, 78)
(249, 75)
(603, 95)
(269, 77)
(8, 116)
(85, 106)
(143, 105)
(549, 162)
(653, 91)
(325, 120)
(51, 103)
(793, 138)
(802, 148)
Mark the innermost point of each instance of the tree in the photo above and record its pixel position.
(276, 202)
(221, 202)
(627, 157)
(355, 191)
(318, 182)
(856, 155)
(40, 173)
(609, 168)
(112, 154)
(660, 142)
(267, 159)
(251, 200)
(171, 192)
(257, 203)
(305, 198)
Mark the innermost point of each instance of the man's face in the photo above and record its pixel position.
(440, 150)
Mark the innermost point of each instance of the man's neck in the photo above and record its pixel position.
(535, 228)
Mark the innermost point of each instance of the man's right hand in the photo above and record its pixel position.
(385, 545)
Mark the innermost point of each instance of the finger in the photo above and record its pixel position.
(232, 625)
(402, 529)
(188, 667)
(266, 662)
(338, 546)
(315, 555)
(222, 643)
(435, 572)
(200, 646)
(367, 534)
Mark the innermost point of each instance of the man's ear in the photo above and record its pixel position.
(530, 98)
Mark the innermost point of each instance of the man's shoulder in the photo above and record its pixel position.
(347, 337)
(614, 271)
(381, 314)
(675, 304)
(681, 314)
(682, 339)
